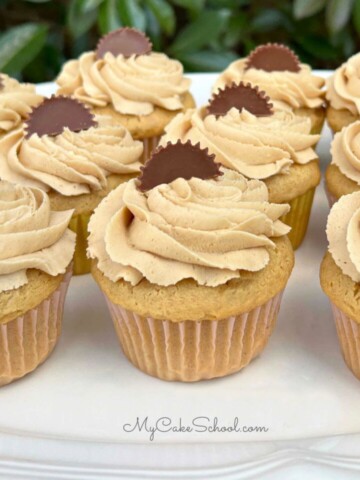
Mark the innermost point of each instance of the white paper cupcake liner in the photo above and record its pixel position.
(27, 341)
(194, 350)
(349, 337)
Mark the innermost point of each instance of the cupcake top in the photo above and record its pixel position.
(343, 87)
(345, 151)
(184, 218)
(123, 72)
(31, 235)
(343, 233)
(16, 101)
(240, 127)
(277, 71)
(63, 147)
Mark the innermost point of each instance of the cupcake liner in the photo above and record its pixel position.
(194, 350)
(349, 337)
(79, 225)
(149, 146)
(27, 341)
(298, 217)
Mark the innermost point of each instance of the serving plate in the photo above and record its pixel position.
(87, 413)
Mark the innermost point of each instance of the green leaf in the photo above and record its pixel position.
(356, 16)
(153, 29)
(338, 14)
(206, 61)
(236, 29)
(196, 34)
(38, 1)
(131, 14)
(164, 13)
(80, 20)
(108, 18)
(267, 20)
(20, 45)
(318, 45)
(91, 5)
(307, 8)
(194, 5)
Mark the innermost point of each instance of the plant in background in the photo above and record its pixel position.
(37, 36)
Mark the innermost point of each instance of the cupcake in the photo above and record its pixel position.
(36, 249)
(240, 126)
(342, 176)
(340, 275)
(343, 94)
(278, 71)
(192, 259)
(125, 79)
(16, 102)
(76, 157)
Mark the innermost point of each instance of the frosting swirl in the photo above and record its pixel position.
(16, 102)
(71, 163)
(297, 89)
(343, 87)
(343, 233)
(257, 147)
(134, 85)
(207, 230)
(345, 151)
(31, 235)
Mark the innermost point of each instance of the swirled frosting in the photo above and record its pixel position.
(71, 163)
(31, 235)
(343, 87)
(343, 233)
(16, 102)
(345, 151)
(206, 230)
(134, 85)
(257, 147)
(297, 89)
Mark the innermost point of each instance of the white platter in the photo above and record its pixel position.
(66, 420)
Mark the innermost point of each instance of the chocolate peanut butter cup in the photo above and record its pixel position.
(124, 41)
(240, 96)
(178, 160)
(55, 114)
(273, 57)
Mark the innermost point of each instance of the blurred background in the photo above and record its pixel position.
(37, 36)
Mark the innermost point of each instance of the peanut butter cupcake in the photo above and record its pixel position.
(16, 102)
(76, 157)
(343, 94)
(342, 176)
(240, 126)
(278, 71)
(125, 79)
(340, 275)
(192, 259)
(36, 249)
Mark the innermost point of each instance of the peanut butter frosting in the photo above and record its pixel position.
(257, 147)
(16, 102)
(343, 233)
(343, 87)
(71, 163)
(345, 151)
(297, 89)
(133, 86)
(206, 230)
(31, 235)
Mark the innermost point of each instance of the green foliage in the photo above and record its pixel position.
(37, 36)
